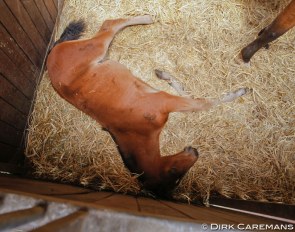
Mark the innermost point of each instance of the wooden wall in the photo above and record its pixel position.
(25, 30)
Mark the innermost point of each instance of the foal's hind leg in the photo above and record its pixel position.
(95, 49)
(110, 28)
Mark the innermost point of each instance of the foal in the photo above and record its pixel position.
(133, 112)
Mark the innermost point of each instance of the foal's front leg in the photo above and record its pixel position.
(183, 103)
(172, 81)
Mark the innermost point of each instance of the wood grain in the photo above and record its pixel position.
(151, 206)
(87, 197)
(25, 31)
(37, 19)
(24, 19)
(14, 28)
(38, 187)
(119, 202)
(10, 47)
(45, 14)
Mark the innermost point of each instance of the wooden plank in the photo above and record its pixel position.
(11, 168)
(16, 31)
(127, 204)
(12, 50)
(10, 71)
(274, 209)
(214, 215)
(55, 2)
(119, 202)
(72, 222)
(38, 187)
(2, 196)
(51, 9)
(13, 96)
(16, 218)
(12, 116)
(155, 207)
(87, 197)
(37, 19)
(6, 152)
(25, 21)
(10, 135)
(12, 157)
(44, 12)
(200, 214)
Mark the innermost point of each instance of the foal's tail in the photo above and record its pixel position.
(73, 31)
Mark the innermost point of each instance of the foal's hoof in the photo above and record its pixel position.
(247, 53)
(148, 19)
(243, 91)
(192, 151)
(162, 75)
(143, 19)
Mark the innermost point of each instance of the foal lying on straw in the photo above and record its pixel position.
(133, 112)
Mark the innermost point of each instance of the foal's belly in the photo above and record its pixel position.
(114, 97)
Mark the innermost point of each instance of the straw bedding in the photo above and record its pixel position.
(247, 147)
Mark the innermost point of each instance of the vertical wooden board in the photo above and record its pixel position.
(12, 116)
(47, 18)
(38, 20)
(10, 71)
(55, 2)
(10, 135)
(10, 23)
(25, 21)
(12, 50)
(13, 96)
(154, 207)
(119, 202)
(51, 9)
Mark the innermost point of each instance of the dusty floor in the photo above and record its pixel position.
(247, 147)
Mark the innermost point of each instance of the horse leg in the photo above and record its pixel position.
(95, 49)
(172, 81)
(186, 104)
(284, 21)
(110, 28)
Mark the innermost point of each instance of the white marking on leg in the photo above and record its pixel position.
(145, 19)
(233, 95)
(172, 81)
